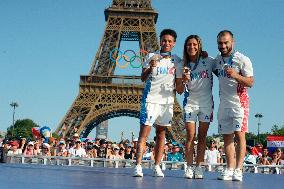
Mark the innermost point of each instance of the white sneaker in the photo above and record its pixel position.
(238, 175)
(158, 171)
(227, 174)
(138, 171)
(189, 172)
(198, 172)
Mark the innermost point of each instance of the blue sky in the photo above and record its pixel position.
(46, 45)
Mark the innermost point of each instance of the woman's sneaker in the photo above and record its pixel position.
(189, 172)
(138, 171)
(227, 174)
(238, 175)
(158, 171)
(198, 173)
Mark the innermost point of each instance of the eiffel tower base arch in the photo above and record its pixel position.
(103, 95)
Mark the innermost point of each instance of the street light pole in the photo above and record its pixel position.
(14, 105)
(258, 116)
(132, 136)
(121, 135)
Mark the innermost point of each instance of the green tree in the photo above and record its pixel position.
(21, 129)
(262, 138)
(250, 136)
(214, 137)
(276, 130)
(54, 135)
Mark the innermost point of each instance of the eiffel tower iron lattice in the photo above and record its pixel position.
(102, 95)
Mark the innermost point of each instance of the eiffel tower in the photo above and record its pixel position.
(103, 95)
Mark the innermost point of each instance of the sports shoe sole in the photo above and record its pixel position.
(225, 178)
(198, 177)
(158, 175)
(138, 175)
(237, 179)
(188, 177)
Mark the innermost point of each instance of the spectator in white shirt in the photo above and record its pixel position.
(14, 149)
(212, 155)
(77, 150)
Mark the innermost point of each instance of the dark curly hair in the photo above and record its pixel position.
(168, 32)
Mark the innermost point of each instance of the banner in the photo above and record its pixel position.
(274, 142)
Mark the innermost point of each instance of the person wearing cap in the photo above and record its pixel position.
(102, 150)
(61, 150)
(14, 149)
(45, 149)
(77, 150)
(29, 150)
(115, 153)
(175, 154)
(75, 137)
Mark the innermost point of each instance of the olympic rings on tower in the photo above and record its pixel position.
(123, 55)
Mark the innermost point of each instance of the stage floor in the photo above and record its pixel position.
(21, 176)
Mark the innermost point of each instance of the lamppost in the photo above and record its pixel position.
(132, 136)
(121, 136)
(14, 105)
(258, 116)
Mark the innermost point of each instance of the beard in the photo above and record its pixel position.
(227, 52)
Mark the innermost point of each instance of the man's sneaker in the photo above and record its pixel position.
(189, 172)
(138, 171)
(227, 174)
(198, 173)
(238, 175)
(158, 171)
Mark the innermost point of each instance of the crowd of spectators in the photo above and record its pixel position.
(102, 148)
(260, 155)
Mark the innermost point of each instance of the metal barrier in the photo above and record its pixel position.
(122, 163)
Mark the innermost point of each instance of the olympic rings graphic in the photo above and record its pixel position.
(125, 57)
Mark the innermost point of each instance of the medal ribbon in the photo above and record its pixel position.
(163, 54)
(230, 62)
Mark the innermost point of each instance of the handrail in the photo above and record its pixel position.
(118, 163)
